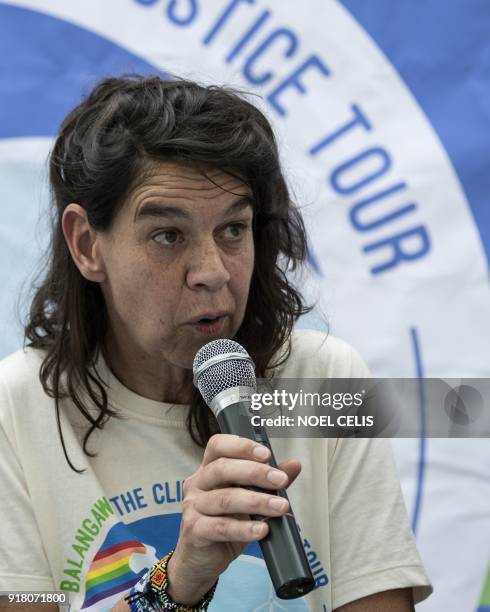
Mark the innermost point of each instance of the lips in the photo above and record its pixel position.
(208, 317)
(210, 324)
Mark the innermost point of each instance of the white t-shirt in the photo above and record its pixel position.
(94, 534)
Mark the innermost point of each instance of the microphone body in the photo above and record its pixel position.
(282, 548)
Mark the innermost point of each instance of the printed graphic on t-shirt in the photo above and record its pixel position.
(130, 549)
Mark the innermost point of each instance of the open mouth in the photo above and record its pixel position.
(210, 325)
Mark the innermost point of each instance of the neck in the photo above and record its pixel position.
(157, 381)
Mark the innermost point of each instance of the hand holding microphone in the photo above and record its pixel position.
(214, 530)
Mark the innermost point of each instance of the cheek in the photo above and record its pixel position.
(133, 285)
(250, 263)
(160, 287)
(241, 271)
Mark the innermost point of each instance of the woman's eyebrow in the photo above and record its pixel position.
(156, 209)
(160, 210)
(241, 204)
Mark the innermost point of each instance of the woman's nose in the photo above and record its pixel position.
(207, 268)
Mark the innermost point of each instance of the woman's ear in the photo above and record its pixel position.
(82, 242)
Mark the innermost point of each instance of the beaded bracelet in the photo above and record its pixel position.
(150, 593)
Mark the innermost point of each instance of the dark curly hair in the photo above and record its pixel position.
(104, 144)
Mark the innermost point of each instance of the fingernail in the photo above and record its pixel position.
(258, 528)
(276, 477)
(277, 503)
(261, 452)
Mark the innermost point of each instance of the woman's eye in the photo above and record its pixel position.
(235, 230)
(167, 237)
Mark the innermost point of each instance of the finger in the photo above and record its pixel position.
(235, 500)
(228, 445)
(225, 472)
(292, 467)
(221, 529)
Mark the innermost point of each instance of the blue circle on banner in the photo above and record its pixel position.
(437, 48)
(47, 64)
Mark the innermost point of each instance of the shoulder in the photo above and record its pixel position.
(21, 391)
(318, 354)
(19, 372)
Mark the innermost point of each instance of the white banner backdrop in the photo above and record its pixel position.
(380, 112)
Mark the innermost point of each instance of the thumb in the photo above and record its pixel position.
(292, 467)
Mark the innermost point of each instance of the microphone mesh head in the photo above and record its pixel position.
(225, 371)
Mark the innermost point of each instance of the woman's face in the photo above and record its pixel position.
(178, 262)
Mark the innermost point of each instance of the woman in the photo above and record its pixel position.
(173, 226)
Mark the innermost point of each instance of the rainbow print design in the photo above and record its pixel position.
(124, 556)
(110, 572)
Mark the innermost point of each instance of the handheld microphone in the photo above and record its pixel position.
(224, 374)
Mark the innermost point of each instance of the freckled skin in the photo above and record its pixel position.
(163, 271)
